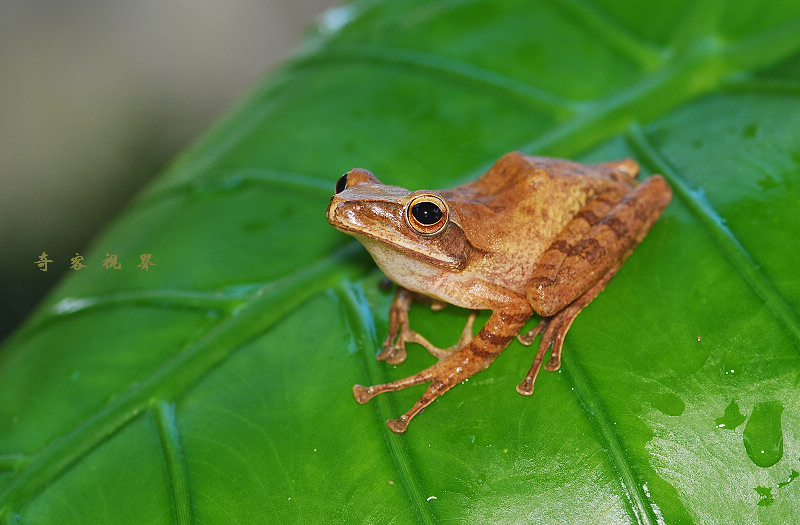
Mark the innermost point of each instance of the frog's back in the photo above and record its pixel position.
(514, 212)
(518, 177)
(523, 194)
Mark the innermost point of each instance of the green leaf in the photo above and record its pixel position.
(215, 387)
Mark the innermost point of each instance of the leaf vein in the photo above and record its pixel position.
(725, 239)
(226, 301)
(751, 84)
(538, 99)
(362, 325)
(234, 178)
(169, 437)
(638, 506)
(611, 31)
(174, 376)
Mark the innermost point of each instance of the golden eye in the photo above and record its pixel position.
(427, 214)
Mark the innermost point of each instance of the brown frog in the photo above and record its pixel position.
(534, 235)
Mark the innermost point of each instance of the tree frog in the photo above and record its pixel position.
(533, 235)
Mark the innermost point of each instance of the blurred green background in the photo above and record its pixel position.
(96, 97)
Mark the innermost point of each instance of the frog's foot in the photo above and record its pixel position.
(399, 425)
(393, 350)
(554, 329)
(457, 367)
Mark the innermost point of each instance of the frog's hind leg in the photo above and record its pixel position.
(554, 329)
(601, 236)
(596, 242)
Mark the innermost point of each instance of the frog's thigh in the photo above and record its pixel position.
(584, 252)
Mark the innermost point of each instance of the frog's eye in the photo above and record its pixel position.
(427, 214)
(355, 177)
(341, 184)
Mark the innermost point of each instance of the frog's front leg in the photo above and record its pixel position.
(456, 366)
(583, 259)
(393, 350)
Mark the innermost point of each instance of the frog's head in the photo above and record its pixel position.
(391, 221)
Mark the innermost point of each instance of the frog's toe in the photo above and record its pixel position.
(526, 387)
(392, 354)
(362, 393)
(398, 426)
(528, 337)
(553, 364)
(365, 393)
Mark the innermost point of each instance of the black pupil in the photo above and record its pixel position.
(341, 184)
(426, 213)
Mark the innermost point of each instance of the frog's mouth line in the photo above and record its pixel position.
(343, 226)
(449, 262)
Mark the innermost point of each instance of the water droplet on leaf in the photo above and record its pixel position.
(763, 437)
(792, 476)
(732, 417)
(767, 498)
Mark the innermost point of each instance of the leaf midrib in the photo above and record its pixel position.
(62, 453)
(361, 321)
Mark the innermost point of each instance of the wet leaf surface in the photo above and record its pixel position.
(215, 388)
